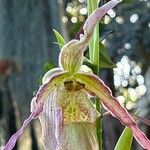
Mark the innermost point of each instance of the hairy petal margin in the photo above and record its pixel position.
(97, 86)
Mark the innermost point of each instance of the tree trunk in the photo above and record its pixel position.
(26, 37)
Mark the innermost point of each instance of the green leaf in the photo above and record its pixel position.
(106, 65)
(60, 39)
(48, 66)
(102, 64)
(105, 61)
(125, 140)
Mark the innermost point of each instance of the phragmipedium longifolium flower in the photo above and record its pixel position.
(67, 116)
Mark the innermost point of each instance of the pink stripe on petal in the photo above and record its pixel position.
(58, 122)
(96, 85)
(51, 120)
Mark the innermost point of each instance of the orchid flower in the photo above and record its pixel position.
(63, 103)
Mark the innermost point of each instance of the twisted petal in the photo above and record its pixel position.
(54, 80)
(94, 84)
(71, 55)
(97, 15)
(12, 141)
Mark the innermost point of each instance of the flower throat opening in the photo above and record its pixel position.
(73, 86)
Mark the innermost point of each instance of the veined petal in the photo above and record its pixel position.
(97, 86)
(77, 130)
(78, 136)
(68, 120)
(55, 79)
(97, 15)
(48, 75)
(71, 55)
(50, 118)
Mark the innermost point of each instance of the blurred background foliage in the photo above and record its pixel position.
(26, 44)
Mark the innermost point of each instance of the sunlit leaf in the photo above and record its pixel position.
(60, 39)
(125, 140)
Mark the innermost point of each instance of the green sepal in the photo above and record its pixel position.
(125, 140)
(60, 40)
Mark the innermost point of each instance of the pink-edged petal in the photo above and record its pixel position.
(68, 114)
(54, 80)
(51, 121)
(59, 122)
(96, 85)
(97, 15)
(71, 55)
(48, 75)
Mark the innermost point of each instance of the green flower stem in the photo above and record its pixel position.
(90, 10)
(94, 57)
